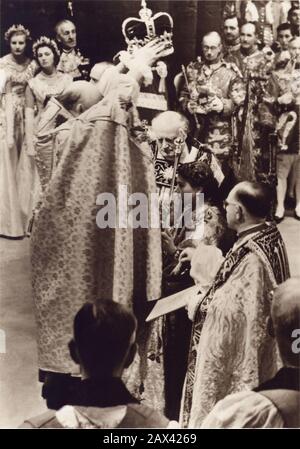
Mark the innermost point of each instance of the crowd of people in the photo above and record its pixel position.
(69, 134)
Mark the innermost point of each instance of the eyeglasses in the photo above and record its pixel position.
(206, 48)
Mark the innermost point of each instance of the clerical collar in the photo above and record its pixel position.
(253, 229)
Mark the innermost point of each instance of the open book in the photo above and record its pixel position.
(173, 302)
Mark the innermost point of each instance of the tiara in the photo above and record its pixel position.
(16, 29)
(139, 31)
(43, 40)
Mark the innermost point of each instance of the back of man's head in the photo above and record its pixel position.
(104, 335)
(285, 315)
(255, 197)
(98, 70)
(79, 96)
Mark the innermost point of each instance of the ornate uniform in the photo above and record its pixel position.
(229, 49)
(285, 119)
(251, 63)
(284, 82)
(74, 64)
(205, 83)
(253, 159)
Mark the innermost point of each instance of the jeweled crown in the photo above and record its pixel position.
(47, 42)
(138, 32)
(16, 29)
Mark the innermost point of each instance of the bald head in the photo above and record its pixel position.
(254, 197)
(80, 96)
(212, 38)
(211, 46)
(285, 313)
(166, 128)
(98, 70)
(294, 48)
(168, 123)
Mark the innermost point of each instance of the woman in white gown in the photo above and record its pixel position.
(16, 69)
(48, 82)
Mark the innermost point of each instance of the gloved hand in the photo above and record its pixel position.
(285, 98)
(215, 105)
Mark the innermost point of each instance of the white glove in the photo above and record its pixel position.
(192, 305)
(192, 107)
(216, 104)
(285, 98)
(161, 69)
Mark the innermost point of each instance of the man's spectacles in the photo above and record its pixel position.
(206, 48)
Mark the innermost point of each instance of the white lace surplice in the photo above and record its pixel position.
(205, 263)
(246, 409)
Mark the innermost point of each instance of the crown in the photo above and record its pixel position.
(138, 32)
(43, 40)
(16, 29)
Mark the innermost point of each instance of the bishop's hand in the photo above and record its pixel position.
(152, 52)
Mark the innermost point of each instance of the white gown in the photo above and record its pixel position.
(28, 180)
(12, 223)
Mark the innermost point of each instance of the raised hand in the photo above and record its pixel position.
(168, 242)
(152, 52)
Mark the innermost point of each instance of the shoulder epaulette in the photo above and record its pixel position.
(235, 68)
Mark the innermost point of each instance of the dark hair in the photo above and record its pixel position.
(291, 10)
(199, 174)
(102, 334)
(233, 16)
(284, 26)
(256, 198)
(43, 44)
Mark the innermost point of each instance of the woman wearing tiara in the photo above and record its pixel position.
(17, 69)
(48, 82)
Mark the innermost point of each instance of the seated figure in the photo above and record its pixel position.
(173, 145)
(200, 223)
